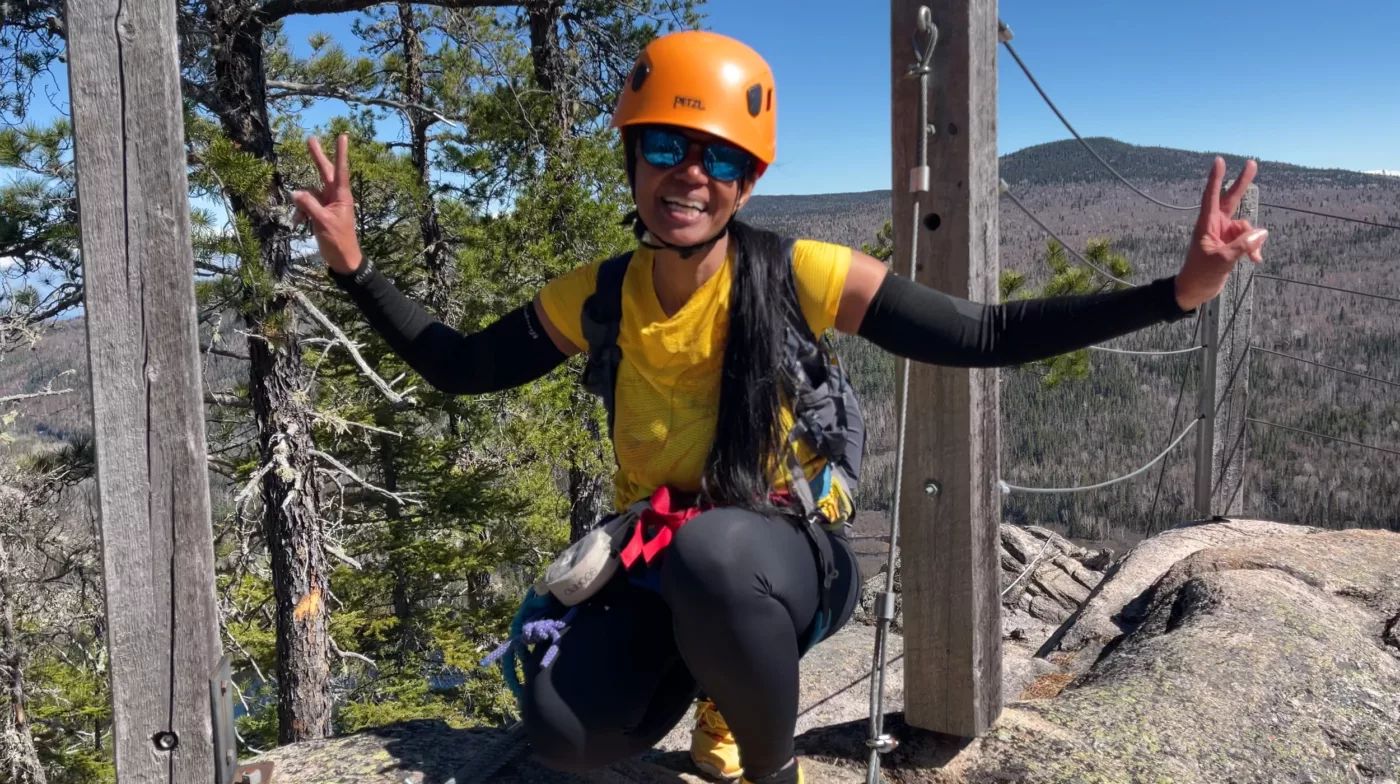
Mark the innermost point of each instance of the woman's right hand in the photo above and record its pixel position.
(332, 209)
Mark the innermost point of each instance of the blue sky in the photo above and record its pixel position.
(1274, 79)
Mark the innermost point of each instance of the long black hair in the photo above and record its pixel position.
(749, 440)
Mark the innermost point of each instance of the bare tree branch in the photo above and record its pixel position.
(247, 491)
(394, 397)
(406, 499)
(222, 399)
(332, 91)
(219, 352)
(30, 395)
(350, 654)
(71, 300)
(340, 425)
(279, 9)
(251, 661)
(340, 555)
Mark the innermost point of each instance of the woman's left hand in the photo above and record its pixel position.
(1219, 240)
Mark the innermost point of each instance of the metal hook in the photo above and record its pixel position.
(925, 39)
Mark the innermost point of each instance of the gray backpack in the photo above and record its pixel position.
(828, 415)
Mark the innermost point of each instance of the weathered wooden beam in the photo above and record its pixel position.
(143, 353)
(951, 507)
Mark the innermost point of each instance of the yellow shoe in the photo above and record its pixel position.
(712, 745)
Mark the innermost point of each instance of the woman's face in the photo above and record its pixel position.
(683, 204)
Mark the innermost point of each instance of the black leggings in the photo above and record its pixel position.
(739, 596)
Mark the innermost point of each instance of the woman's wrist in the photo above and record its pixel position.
(349, 262)
(358, 275)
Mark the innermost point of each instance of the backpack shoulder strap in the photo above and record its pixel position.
(795, 315)
(601, 319)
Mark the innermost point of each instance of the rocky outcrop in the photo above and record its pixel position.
(1118, 603)
(1264, 660)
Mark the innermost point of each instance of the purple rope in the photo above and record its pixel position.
(533, 633)
(547, 629)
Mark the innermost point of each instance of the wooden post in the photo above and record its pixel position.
(148, 418)
(952, 508)
(1229, 448)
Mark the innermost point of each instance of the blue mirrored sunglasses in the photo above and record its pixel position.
(665, 148)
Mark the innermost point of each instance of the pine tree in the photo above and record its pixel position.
(1067, 279)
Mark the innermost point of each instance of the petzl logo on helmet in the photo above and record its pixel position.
(683, 102)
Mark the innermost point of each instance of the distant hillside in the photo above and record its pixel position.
(1066, 161)
(853, 218)
(59, 361)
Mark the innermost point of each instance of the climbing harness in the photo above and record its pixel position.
(925, 39)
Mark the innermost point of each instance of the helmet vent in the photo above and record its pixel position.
(755, 97)
(639, 75)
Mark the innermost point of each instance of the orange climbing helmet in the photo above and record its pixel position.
(706, 82)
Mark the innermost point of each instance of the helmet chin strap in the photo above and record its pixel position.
(647, 238)
(686, 251)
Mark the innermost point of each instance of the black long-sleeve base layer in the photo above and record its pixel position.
(512, 351)
(904, 318)
(926, 325)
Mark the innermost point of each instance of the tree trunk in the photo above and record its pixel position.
(585, 501)
(551, 67)
(435, 252)
(399, 539)
(290, 521)
(587, 496)
(20, 758)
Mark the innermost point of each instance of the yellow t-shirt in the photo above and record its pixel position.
(667, 392)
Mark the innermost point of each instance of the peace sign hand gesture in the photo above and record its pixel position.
(332, 209)
(1219, 240)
